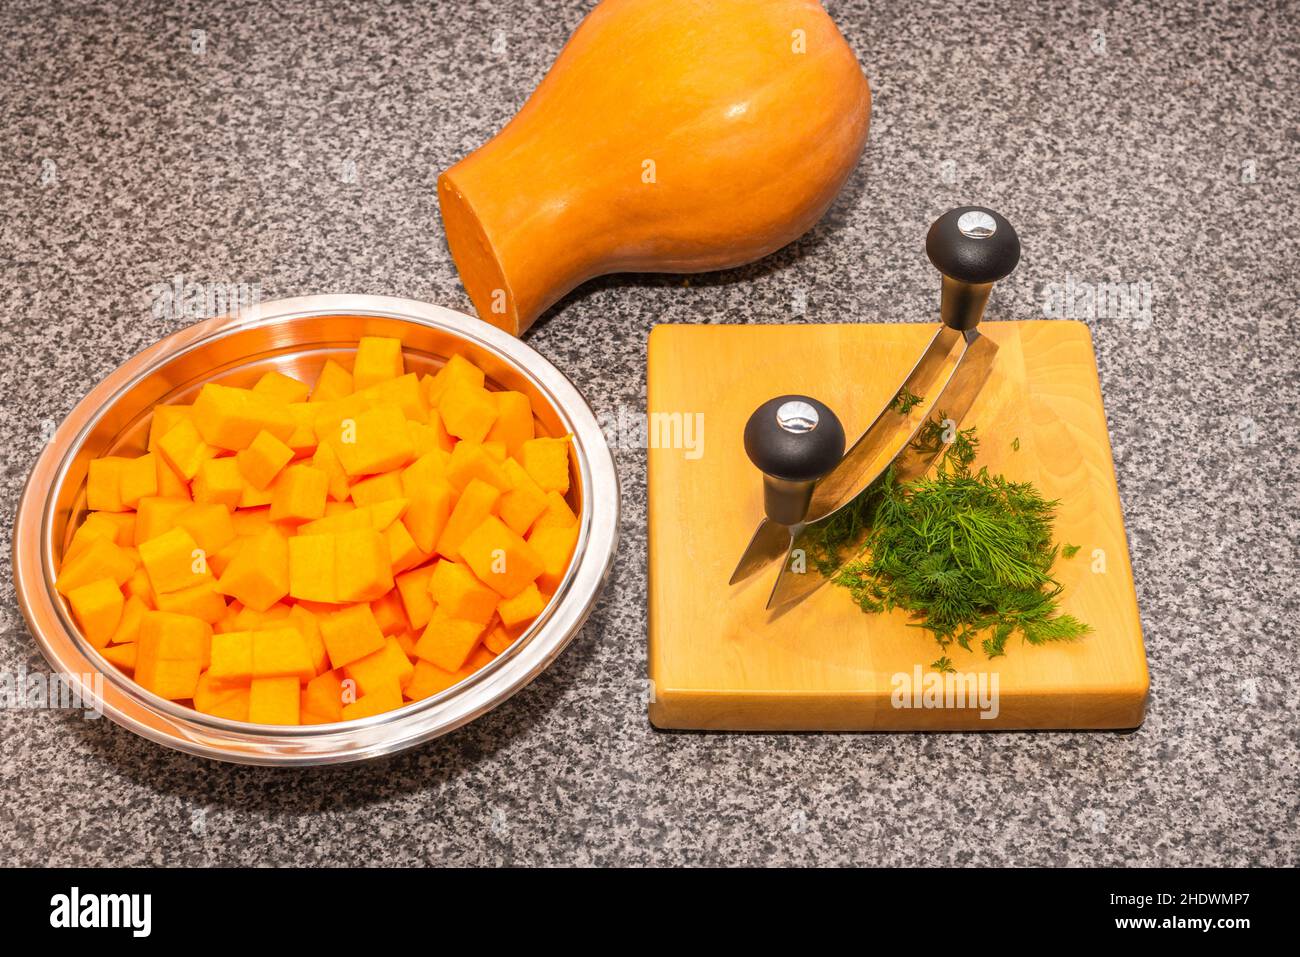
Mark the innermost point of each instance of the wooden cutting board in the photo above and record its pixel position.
(719, 660)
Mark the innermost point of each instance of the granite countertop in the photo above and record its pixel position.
(295, 147)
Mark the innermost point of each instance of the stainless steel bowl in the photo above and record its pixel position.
(291, 335)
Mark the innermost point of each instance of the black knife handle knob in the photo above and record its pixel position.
(794, 440)
(973, 247)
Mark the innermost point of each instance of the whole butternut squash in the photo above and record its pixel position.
(668, 136)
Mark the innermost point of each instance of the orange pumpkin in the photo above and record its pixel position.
(668, 136)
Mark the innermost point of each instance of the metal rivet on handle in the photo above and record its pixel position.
(795, 416)
(977, 224)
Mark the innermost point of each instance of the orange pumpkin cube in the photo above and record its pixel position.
(363, 567)
(262, 461)
(219, 481)
(403, 392)
(428, 679)
(171, 484)
(446, 641)
(201, 601)
(281, 652)
(230, 703)
(274, 700)
(514, 424)
(385, 698)
(350, 634)
(104, 484)
(471, 460)
(381, 667)
(172, 652)
(467, 411)
(413, 587)
(231, 659)
(373, 441)
(163, 419)
(403, 553)
(309, 628)
(121, 656)
(378, 359)
(430, 436)
(456, 370)
(258, 575)
(500, 558)
(389, 614)
(457, 592)
(476, 502)
(183, 448)
(525, 500)
(554, 546)
(326, 460)
(323, 699)
(312, 568)
(137, 478)
(334, 382)
(522, 608)
(128, 627)
(174, 561)
(154, 516)
(97, 607)
(101, 558)
(557, 513)
(230, 418)
(209, 524)
(378, 488)
(547, 461)
(428, 512)
(298, 494)
(281, 388)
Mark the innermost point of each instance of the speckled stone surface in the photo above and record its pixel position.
(298, 149)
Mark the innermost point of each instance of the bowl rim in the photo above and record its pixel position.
(184, 729)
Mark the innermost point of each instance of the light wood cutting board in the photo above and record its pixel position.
(718, 660)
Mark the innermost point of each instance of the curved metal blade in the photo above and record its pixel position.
(809, 564)
(928, 376)
(769, 543)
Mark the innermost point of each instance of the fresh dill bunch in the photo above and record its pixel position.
(905, 401)
(967, 553)
(1069, 551)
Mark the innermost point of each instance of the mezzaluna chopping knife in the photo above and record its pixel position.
(818, 499)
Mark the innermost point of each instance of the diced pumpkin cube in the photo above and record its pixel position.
(478, 658)
(407, 640)
(385, 698)
(458, 593)
(389, 614)
(403, 553)
(326, 460)
(137, 478)
(232, 659)
(173, 561)
(251, 521)
(209, 524)
(172, 651)
(137, 586)
(403, 392)
(428, 512)
(499, 638)
(388, 664)
(201, 601)
(467, 411)
(171, 484)
(258, 575)
(554, 546)
(220, 702)
(413, 587)
(456, 370)
(376, 440)
(102, 558)
(547, 461)
(497, 450)
(104, 484)
(250, 619)
(522, 608)
(322, 699)
(525, 501)
(312, 568)
(378, 488)
(230, 418)
(428, 679)
(283, 388)
(471, 460)
(303, 440)
(298, 494)
(219, 481)
(350, 634)
(334, 382)
(183, 448)
(447, 642)
(281, 652)
(556, 514)
(514, 424)
(309, 628)
(476, 503)
(128, 627)
(363, 567)
(262, 461)
(121, 656)
(500, 558)
(378, 359)
(96, 525)
(154, 516)
(429, 436)
(163, 419)
(273, 700)
(97, 607)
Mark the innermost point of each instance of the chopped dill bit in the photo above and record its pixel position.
(943, 666)
(905, 401)
(968, 554)
(1069, 551)
(1015, 444)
